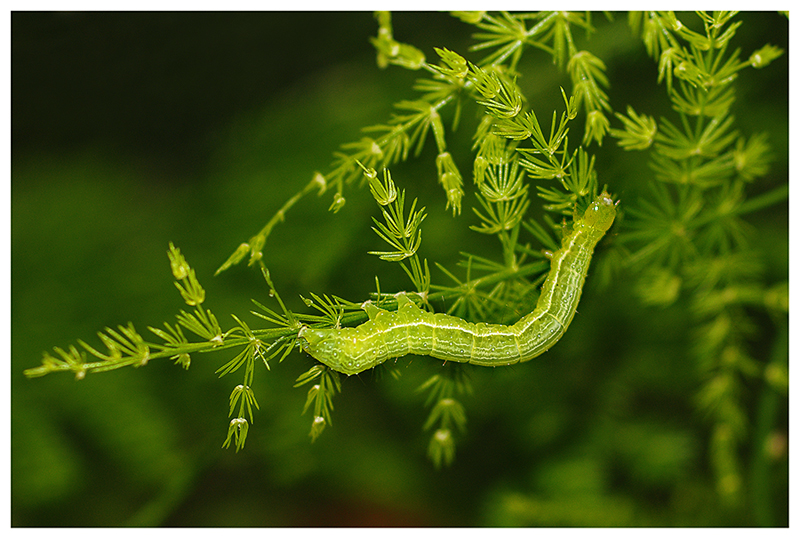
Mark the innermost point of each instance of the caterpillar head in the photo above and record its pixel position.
(600, 213)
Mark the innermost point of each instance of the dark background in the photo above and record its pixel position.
(131, 130)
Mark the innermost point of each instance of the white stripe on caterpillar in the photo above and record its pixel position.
(410, 330)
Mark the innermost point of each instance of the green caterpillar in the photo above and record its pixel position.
(410, 330)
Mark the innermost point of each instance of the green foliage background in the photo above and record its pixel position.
(134, 130)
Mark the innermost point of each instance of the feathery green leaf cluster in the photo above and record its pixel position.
(690, 236)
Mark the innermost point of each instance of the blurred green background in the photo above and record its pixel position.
(131, 130)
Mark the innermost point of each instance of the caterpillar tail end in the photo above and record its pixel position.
(323, 345)
(311, 340)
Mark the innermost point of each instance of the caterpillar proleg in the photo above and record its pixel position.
(410, 330)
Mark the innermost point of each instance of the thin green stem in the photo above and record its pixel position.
(765, 200)
(766, 418)
(279, 216)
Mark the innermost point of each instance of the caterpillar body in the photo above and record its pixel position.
(410, 330)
